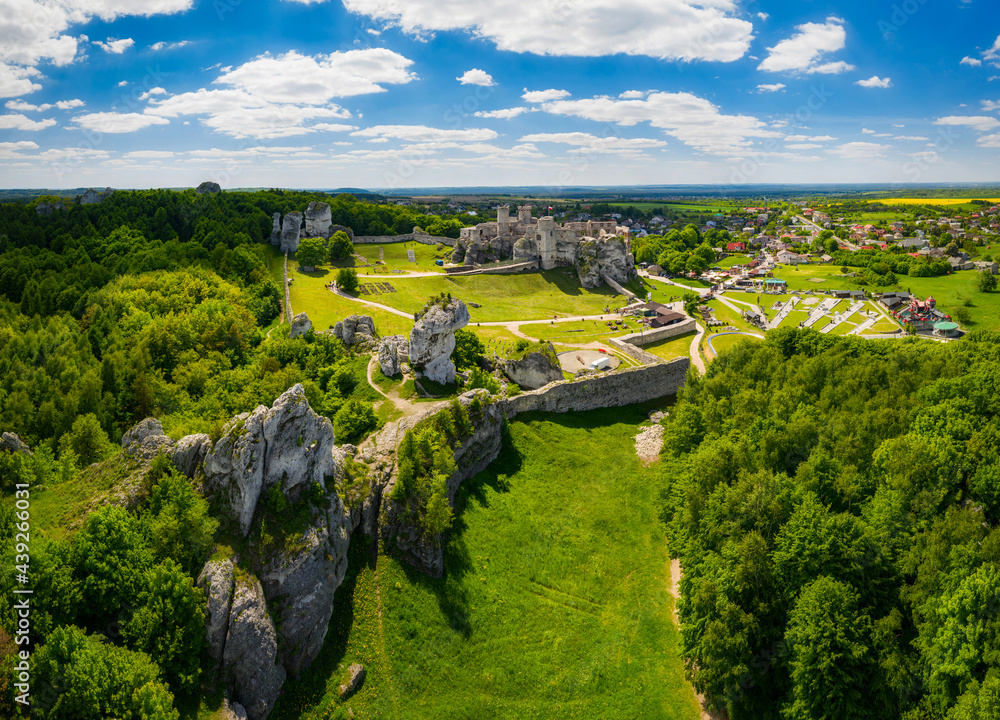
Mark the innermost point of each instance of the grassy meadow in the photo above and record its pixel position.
(554, 602)
(672, 348)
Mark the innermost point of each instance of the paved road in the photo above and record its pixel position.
(665, 281)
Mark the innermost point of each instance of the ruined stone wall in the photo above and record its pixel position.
(651, 336)
(612, 389)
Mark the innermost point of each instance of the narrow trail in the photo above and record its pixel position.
(695, 351)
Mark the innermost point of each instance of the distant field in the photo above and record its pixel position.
(931, 201)
(554, 604)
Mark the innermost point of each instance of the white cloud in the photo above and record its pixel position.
(914, 138)
(993, 53)
(633, 94)
(17, 121)
(156, 47)
(801, 51)
(859, 150)
(113, 46)
(675, 29)
(866, 131)
(70, 104)
(475, 76)
(593, 143)
(150, 154)
(18, 146)
(505, 114)
(991, 105)
(990, 141)
(970, 61)
(692, 120)
(22, 106)
(803, 146)
(114, 123)
(151, 92)
(422, 133)
(775, 87)
(875, 82)
(982, 123)
(809, 138)
(15, 81)
(295, 78)
(540, 96)
(333, 127)
(123, 83)
(763, 16)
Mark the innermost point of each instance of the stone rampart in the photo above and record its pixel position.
(610, 389)
(408, 237)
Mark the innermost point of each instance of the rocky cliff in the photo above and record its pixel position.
(318, 220)
(355, 330)
(208, 187)
(608, 256)
(291, 229)
(432, 339)
(536, 369)
(276, 229)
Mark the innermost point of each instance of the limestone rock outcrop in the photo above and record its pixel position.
(189, 453)
(536, 369)
(475, 253)
(318, 220)
(13, 443)
(251, 650)
(300, 582)
(388, 358)
(145, 440)
(232, 711)
(587, 268)
(432, 339)
(355, 676)
(526, 249)
(615, 261)
(291, 229)
(276, 229)
(217, 579)
(301, 324)
(287, 444)
(45, 209)
(93, 196)
(458, 254)
(355, 330)
(208, 187)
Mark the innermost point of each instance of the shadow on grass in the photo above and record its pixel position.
(308, 690)
(317, 273)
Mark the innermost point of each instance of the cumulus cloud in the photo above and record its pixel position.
(116, 123)
(991, 105)
(875, 82)
(28, 107)
(593, 143)
(774, 87)
(693, 120)
(151, 92)
(275, 97)
(859, 150)
(296, 78)
(156, 47)
(475, 76)
(914, 138)
(809, 138)
(993, 54)
(633, 94)
(150, 154)
(16, 81)
(802, 51)
(803, 146)
(982, 123)
(990, 141)
(424, 134)
(17, 121)
(540, 96)
(974, 62)
(114, 46)
(505, 114)
(668, 29)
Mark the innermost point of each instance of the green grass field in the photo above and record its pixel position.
(951, 291)
(397, 258)
(554, 602)
(728, 315)
(671, 348)
(580, 332)
(726, 342)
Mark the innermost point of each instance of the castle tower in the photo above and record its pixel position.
(524, 214)
(546, 242)
(503, 220)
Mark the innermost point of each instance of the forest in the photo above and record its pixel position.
(835, 504)
(151, 303)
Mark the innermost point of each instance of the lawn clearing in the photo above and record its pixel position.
(722, 343)
(672, 348)
(579, 332)
(554, 601)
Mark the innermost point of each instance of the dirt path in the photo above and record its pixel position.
(407, 407)
(695, 352)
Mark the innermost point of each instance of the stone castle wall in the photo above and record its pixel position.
(408, 237)
(612, 389)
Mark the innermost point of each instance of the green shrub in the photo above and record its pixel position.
(354, 420)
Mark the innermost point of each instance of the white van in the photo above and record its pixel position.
(601, 364)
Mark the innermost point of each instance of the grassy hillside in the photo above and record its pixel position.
(554, 602)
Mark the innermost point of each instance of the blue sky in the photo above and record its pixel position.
(411, 93)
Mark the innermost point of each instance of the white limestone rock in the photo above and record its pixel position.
(217, 579)
(432, 340)
(388, 358)
(318, 220)
(534, 370)
(189, 453)
(251, 650)
(291, 228)
(13, 443)
(276, 229)
(287, 444)
(355, 330)
(587, 268)
(301, 324)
